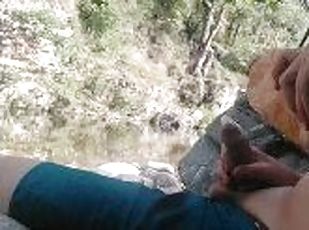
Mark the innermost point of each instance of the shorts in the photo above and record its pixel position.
(54, 197)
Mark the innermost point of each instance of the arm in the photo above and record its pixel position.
(283, 208)
(266, 205)
(272, 205)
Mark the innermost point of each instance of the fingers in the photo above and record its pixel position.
(259, 171)
(237, 148)
(261, 156)
(287, 83)
(265, 174)
(302, 92)
(305, 100)
(222, 172)
(282, 60)
(300, 110)
(291, 75)
(294, 82)
(219, 188)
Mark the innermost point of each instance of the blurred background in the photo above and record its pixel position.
(87, 82)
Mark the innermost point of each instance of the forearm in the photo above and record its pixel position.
(282, 208)
(266, 205)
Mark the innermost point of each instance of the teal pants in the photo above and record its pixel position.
(54, 197)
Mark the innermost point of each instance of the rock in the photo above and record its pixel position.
(209, 94)
(161, 166)
(154, 175)
(189, 92)
(197, 169)
(25, 103)
(165, 123)
(163, 178)
(119, 170)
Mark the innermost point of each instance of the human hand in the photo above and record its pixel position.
(265, 172)
(256, 169)
(291, 75)
(220, 188)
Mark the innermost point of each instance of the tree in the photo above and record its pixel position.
(204, 53)
(305, 3)
(303, 41)
(215, 11)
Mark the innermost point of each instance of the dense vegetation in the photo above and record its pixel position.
(87, 81)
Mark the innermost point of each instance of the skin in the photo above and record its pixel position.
(256, 170)
(291, 75)
(284, 203)
(12, 169)
(236, 147)
(281, 206)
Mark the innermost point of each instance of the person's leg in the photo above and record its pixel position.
(51, 196)
(185, 210)
(12, 169)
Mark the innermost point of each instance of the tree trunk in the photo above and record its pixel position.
(203, 53)
(303, 41)
(305, 3)
(234, 35)
(230, 29)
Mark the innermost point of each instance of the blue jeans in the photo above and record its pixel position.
(55, 197)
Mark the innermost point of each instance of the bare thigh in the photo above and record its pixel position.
(12, 170)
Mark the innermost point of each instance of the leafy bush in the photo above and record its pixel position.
(165, 14)
(232, 62)
(169, 10)
(194, 22)
(253, 28)
(34, 17)
(96, 16)
(39, 22)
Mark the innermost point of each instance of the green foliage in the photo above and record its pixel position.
(232, 62)
(270, 3)
(305, 4)
(92, 97)
(96, 16)
(39, 22)
(118, 101)
(253, 28)
(34, 17)
(194, 21)
(166, 15)
(167, 10)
